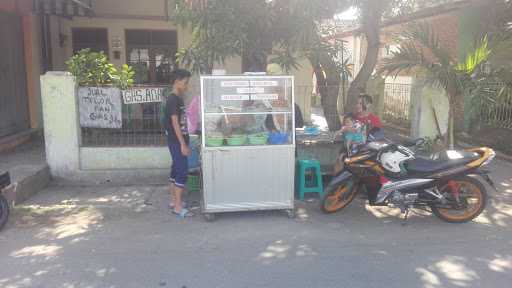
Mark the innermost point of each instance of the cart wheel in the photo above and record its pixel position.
(209, 217)
(290, 213)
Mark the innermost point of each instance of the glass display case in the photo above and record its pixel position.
(248, 155)
(247, 110)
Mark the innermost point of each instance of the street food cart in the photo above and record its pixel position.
(248, 143)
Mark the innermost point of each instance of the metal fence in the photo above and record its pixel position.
(141, 126)
(496, 106)
(397, 101)
(141, 123)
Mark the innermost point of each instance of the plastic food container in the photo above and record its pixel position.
(193, 184)
(278, 138)
(214, 141)
(258, 139)
(237, 140)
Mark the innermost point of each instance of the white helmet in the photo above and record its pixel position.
(391, 160)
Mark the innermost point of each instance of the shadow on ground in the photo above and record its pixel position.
(125, 237)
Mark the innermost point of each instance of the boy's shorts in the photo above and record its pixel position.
(179, 168)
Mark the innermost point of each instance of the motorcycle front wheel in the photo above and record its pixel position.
(472, 199)
(339, 198)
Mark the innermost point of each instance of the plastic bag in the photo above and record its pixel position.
(193, 114)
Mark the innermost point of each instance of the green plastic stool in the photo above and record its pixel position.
(313, 184)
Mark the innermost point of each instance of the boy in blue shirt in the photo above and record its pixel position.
(354, 135)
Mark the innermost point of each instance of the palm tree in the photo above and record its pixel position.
(422, 52)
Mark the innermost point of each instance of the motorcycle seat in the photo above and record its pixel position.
(440, 161)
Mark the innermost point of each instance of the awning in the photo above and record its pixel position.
(64, 8)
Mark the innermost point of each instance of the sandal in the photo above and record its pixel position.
(184, 213)
(171, 206)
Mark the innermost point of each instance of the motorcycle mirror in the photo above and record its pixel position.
(420, 141)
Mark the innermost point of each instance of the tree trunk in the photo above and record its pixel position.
(371, 11)
(328, 81)
(458, 113)
(255, 62)
(450, 139)
(454, 102)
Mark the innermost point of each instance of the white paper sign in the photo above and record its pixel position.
(136, 95)
(250, 90)
(264, 96)
(234, 97)
(264, 83)
(100, 107)
(234, 84)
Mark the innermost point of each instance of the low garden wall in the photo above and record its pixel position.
(98, 158)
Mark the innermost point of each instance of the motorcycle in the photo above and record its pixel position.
(394, 175)
(5, 185)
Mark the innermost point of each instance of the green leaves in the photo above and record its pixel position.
(250, 28)
(287, 59)
(475, 58)
(93, 68)
(422, 51)
(216, 29)
(406, 58)
(123, 79)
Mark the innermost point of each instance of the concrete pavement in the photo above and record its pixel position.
(124, 237)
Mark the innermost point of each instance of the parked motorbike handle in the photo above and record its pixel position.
(420, 142)
(414, 143)
(394, 147)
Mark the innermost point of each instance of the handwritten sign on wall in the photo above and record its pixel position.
(136, 95)
(100, 107)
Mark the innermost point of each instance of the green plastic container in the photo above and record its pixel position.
(214, 141)
(193, 183)
(258, 139)
(237, 140)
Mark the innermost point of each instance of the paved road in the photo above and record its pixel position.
(123, 237)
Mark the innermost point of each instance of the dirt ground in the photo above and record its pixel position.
(69, 236)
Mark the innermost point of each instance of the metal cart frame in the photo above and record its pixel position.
(229, 173)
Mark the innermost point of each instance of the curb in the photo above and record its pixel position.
(28, 185)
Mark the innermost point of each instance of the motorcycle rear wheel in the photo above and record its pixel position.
(339, 198)
(4, 211)
(472, 190)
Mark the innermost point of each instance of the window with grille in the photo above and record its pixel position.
(95, 39)
(152, 54)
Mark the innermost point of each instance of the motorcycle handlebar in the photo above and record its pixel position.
(394, 147)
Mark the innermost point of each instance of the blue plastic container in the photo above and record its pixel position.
(193, 159)
(278, 138)
(311, 130)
